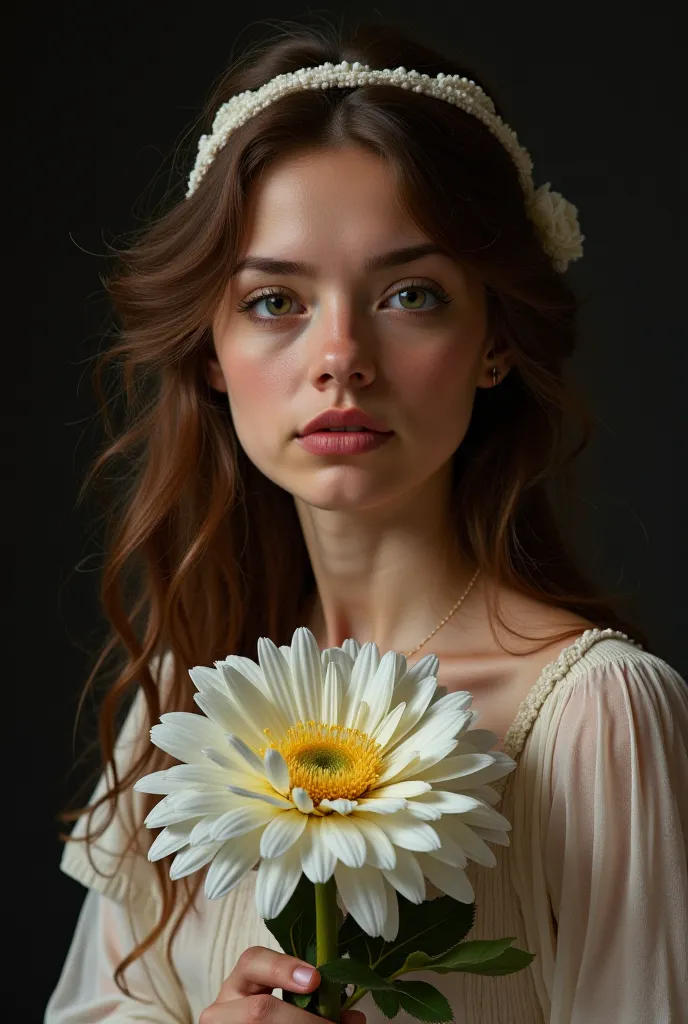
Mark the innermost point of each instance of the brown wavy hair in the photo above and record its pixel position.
(204, 553)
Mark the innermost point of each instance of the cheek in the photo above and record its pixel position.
(437, 383)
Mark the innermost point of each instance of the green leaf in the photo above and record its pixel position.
(300, 999)
(311, 954)
(423, 1001)
(346, 971)
(435, 926)
(387, 1001)
(455, 959)
(483, 956)
(354, 941)
(510, 961)
(295, 925)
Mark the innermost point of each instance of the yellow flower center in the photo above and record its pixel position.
(329, 761)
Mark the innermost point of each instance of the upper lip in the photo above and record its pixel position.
(352, 417)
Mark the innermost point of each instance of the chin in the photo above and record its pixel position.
(347, 489)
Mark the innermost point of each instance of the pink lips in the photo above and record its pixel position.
(343, 442)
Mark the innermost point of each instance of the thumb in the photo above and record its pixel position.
(352, 1017)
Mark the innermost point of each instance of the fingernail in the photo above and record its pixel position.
(303, 975)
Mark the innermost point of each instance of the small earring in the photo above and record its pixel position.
(496, 374)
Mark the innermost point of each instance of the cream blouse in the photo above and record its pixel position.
(594, 882)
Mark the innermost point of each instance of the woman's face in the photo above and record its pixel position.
(405, 340)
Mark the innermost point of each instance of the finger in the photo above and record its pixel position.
(352, 1017)
(260, 969)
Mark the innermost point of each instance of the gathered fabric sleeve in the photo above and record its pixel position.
(120, 910)
(86, 992)
(603, 871)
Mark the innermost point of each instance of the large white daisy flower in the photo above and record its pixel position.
(333, 762)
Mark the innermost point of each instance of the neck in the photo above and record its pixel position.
(389, 573)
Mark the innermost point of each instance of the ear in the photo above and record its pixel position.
(494, 356)
(214, 375)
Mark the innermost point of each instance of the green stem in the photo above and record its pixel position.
(327, 948)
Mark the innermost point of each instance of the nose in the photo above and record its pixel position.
(338, 356)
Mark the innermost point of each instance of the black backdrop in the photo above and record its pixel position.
(105, 94)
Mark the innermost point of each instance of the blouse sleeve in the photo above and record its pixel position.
(86, 992)
(119, 911)
(613, 833)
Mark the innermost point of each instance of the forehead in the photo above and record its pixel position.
(333, 201)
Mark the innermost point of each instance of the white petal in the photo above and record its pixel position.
(235, 666)
(171, 839)
(449, 803)
(276, 770)
(492, 835)
(231, 864)
(240, 820)
(450, 852)
(487, 817)
(352, 648)
(190, 803)
(202, 832)
(157, 782)
(344, 840)
(302, 800)
(249, 756)
(425, 759)
(317, 859)
(406, 877)
(183, 735)
(408, 833)
(426, 666)
(364, 896)
(388, 726)
(201, 776)
(306, 673)
(268, 797)
(503, 765)
(218, 757)
(332, 694)
(364, 668)
(275, 883)
(377, 692)
(480, 740)
(459, 767)
(416, 704)
(361, 717)
(379, 806)
(278, 678)
(405, 789)
(423, 812)
(192, 859)
(441, 723)
(282, 832)
(395, 763)
(207, 679)
(340, 805)
(466, 838)
(255, 710)
(286, 651)
(486, 793)
(221, 710)
(449, 879)
(390, 928)
(380, 852)
(342, 660)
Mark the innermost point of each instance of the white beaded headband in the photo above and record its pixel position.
(555, 218)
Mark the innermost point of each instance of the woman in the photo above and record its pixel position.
(374, 251)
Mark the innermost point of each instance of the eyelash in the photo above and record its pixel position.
(245, 305)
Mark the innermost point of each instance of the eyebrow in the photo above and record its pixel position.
(381, 261)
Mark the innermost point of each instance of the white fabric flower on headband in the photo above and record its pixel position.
(556, 220)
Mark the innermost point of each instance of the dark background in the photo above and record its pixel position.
(106, 93)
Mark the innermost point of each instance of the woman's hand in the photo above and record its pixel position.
(246, 996)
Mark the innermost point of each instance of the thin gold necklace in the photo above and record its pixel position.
(446, 618)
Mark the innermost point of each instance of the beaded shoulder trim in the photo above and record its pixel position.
(529, 708)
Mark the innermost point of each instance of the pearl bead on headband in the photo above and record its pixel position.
(555, 218)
